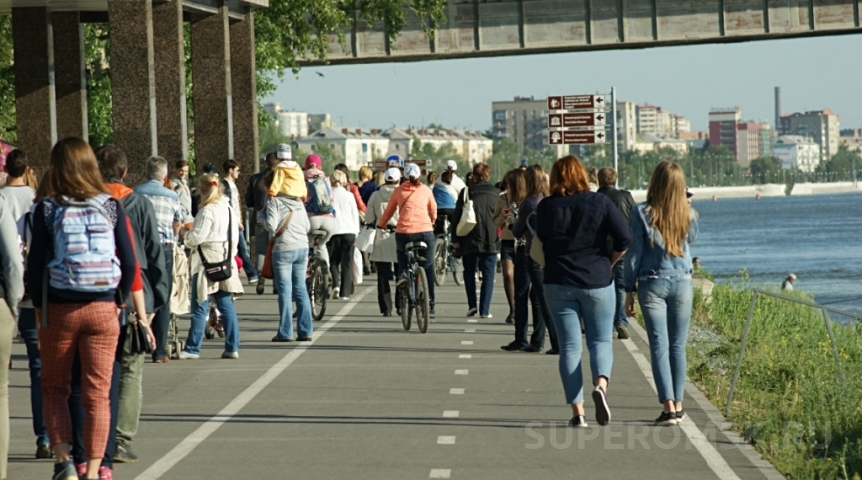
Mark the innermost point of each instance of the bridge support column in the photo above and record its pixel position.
(35, 103)
(71, 77)
(170, 64)
(133, 82)
(244, 91)
(211, 71)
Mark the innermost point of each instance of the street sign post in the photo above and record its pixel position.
(576, 137)
(569, 120)
(576, 102)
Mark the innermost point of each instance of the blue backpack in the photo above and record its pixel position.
(319, 196)
(85, 257)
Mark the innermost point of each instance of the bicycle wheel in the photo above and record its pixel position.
(318, 291)
(403, 303)
(440, 263)
(423, 308)
(458, 271)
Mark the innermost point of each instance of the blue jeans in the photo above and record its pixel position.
(619, 285)
(247, 265)
(200, 311)
(540, 307)
(289, 268)
(401, 241)
(27, 327)
(666, 306)
(487, 262)
(523, 295)
(569, 305)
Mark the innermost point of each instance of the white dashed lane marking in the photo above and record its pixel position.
(451, 414)
(462, 372)
(440, 473)
(465, 355)
(456, 391)
(446, 440)
(466, 342)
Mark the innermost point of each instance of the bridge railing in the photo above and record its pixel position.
(756, 292)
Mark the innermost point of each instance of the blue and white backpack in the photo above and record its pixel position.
(319, 200)
(85, 254)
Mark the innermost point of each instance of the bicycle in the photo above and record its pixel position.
(317, 276)
(444, 260)
(412, 290)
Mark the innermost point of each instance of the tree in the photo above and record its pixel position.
(269, 136)
(506, 156)
(764, 170)
(841, 165)
(437, 156)
(8, 130)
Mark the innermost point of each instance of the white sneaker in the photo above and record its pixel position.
(231, 355)
(184, 355)
(486, 316)
(335, 292)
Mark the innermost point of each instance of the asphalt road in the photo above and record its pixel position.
(367, 400)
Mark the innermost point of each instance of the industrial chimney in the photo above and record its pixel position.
(777, 126)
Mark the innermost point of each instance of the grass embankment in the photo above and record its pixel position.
(789, 401)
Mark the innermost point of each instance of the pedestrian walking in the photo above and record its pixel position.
(573, 225)
(658, 266)
(344, 236)
(231, 169)
(385, 252)
(481, 246)
(502, 214)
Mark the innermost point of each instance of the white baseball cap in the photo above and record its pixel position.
(411, 170)
(393, 175)
(451, 165)
(283, 152)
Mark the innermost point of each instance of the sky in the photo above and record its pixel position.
(813, 73)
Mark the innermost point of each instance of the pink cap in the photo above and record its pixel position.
(313, 161)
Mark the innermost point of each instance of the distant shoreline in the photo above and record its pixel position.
(767, 190)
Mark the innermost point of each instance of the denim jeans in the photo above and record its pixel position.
(540, 307)
(569, 305)
(401, 241)
(487, 262)
(162, 320)
(200, 311)
(247, 265)
(619, 285)
(384, 287)
(522, 299)
(27, 327)
(666, 306)
(289, 268)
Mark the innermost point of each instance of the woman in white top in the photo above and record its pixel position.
(212, 234)
(343, 237)
(384, 254)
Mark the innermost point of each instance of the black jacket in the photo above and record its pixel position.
(483, 238)
(621, 198)
(256, 193)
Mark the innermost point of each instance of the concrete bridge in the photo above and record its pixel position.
(481, 28)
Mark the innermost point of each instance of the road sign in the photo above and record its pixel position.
(576, 137)
(576, 102)
(567, 120)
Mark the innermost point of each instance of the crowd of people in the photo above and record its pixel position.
(93, 270)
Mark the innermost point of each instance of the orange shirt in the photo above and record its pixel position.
(417, 209)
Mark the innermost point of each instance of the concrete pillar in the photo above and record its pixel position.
(35, 107)
(212, 87)
(171, 80)
(71, 76)
(244, 92)
(133, 86)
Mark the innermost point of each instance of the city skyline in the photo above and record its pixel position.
(687, 80)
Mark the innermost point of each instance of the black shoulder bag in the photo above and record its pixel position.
(221, 271)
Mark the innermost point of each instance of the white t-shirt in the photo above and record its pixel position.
(19, 199)
(346, 212)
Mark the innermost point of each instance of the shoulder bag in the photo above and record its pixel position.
(267, 270)
(223, 269)
(468, 216)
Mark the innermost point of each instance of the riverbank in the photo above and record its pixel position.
(789, 400)
(768, 190)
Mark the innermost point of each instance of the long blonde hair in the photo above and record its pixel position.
(210, 189)
(667, 208)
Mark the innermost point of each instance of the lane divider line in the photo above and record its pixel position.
(456, 391)
(465, 355)
(451, 414)
(185, 447)
(446, 440)
(462, 372)
(440, 473)
(466, 342)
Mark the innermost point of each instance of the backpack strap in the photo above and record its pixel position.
(284, 224)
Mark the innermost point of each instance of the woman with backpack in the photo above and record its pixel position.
(82, 249)
(213, 240)
(318, 203)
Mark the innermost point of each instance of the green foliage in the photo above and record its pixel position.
(789, 401)
(269, 136)
(97, 61)
(506, 156)
(8, 130)
(764, 168)
(438, 156)
(840, 166)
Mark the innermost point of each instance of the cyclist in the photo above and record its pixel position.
(445, 198)
(417, 213)
(384, 253)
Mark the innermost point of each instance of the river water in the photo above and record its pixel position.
(816, 237)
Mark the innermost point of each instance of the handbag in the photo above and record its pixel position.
(267, 270)
(139, 340)
(357, 267)
(365, 240)
(537, 248)
(221, 270)
(468, 216)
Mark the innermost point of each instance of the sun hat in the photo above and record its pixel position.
(393, 175)
(411, 170)
(451, 165)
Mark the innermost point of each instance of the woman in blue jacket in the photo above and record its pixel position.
(658, 263)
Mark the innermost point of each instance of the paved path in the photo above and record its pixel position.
(367, 400)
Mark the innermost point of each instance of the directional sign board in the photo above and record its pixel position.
(576, 102)
(568, 120)
(576, 137)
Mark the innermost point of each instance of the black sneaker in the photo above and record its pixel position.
(125, 454)
(622, 332)
(603, 411)
(552, 351)
(578, 422)
(666, 419)
(531, 349)
(680, 416)
(64, 471)
(510, 319)
(44, 451)
(512, 347)
(278, 339)
(472, 312)
(260, 284)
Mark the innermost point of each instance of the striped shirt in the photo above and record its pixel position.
(167, 207)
